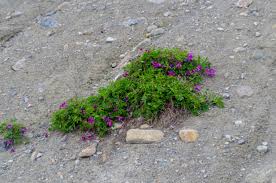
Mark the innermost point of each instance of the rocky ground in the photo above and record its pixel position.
(51, 51)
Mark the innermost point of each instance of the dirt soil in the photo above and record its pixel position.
(52, 50)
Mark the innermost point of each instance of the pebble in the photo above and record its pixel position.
(14, 15)
(19, 64)
(239, 49)
(220, 29)
(47, 22)
(244, 3)
(238, 123)
(188, 135)
(113, 65)
(265, 143)
(226, 95)
(243, 75)
(144, 126)
(244, 91)
(144, 136)
(88, 151)
(156, 32)
(133, 21)
(241, 141)
(168, 13)
(258, 55)
(257, 34)
(157, 1)
(110, 39)
(262, 149)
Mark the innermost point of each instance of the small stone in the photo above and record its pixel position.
(256, 23)
(258, 55)
(39, 155)
(113, 65)
(241, 141)
(244, 3)
(133, 21)
(156, 32)
(243, 75)
(226, 95)
(220, 29)
(238, 123)
(244, 14)
(19, 64)
(168, 13)
(265, 143)
(89, 151)
(144, 126)
(262, 149)
(232, 56)
(63, 5)
(188, 135)
(228, 138)
(244, 91)
(110, 39)
(257, 34)
(40, 99)
(151, 28)
(157, 1)
(117, 126)
(239, 49)
(143, 136)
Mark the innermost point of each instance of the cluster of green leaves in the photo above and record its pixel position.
(145, 90)
(12, 132)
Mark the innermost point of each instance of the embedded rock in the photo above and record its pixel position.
(188, 135)
(89, 151)
(139, 136)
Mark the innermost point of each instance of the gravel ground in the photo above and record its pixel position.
(51, 51)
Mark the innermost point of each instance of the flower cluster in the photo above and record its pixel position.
(12, 133)
(151, 81)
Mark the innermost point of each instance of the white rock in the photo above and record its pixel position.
(262, 149)
(157, 1)
(19, 64)
(168, 13)
(144, 136)
(89, 151)
(156, 32)
(257, 34)
(244, 3)
(220, 29)
(238, 123)
(110, 39)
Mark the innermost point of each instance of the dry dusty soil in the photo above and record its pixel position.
(52, 50)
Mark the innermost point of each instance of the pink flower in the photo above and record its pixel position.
(171, 73)
(91, 120)
(63, 105)
(211, 72)
(156, 65)
(197, 88)
(190, 56)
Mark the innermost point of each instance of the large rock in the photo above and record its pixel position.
(89, 151)
(136, 136)
(188, 135)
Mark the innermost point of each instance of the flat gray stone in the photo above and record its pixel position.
(244, 91)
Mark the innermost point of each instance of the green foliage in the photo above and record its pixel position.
(156, 79)
(12, 133)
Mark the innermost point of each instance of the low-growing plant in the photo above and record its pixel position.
(13, 133)
(156, 79)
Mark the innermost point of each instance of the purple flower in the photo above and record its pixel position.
(125, 74)
(188, 73)
(211, 72)
(63, 105)
(197, 88)
(91, 120)
(23, 130)
(45, 134)
(83, 137)
(171, 73)
(178, 65)
(190, 56)
(126, 99)
(108, 121)
(120, 118)
(171, 66)
(8, 143)
(9, 126)
(198, 68)
(156, 65)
